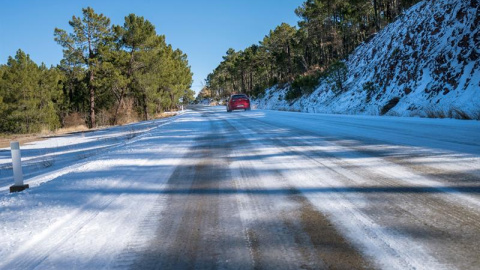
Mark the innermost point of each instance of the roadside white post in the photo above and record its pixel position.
(17, 168)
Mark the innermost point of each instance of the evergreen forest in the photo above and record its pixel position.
(328, 31)
(109, 74)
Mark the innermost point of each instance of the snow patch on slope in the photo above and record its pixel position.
(429, 59)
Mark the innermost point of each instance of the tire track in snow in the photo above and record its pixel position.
(75, 166)
(197, 229)
(283, 229)
(40, 246)
(54, 246)
(380, 243)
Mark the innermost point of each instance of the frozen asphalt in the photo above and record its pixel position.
(251, 190)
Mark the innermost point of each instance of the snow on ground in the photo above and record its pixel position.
(99, 187)
(341, 177)
(90, 192)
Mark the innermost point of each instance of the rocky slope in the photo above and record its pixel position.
(424, 64)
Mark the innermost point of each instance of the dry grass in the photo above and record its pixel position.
(66, 130)
(165, 115)
(454, 113)
(22, 139)
(459, 114)
(431, 113)
(5, 139)
(74, 119)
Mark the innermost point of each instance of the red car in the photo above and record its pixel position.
(238, 102)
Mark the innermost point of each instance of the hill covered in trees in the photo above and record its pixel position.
(109, 74)
(364, 57)
(328, 30)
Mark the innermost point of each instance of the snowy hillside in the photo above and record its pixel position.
(424, 64)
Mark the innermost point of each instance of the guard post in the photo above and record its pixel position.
(17, 168)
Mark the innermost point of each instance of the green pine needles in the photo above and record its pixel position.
(109, 74)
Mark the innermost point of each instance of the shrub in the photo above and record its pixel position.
(303, 85)
(370, 88)
(73, 120)
(336, 74)
(395, 53)
(127, 113)
(293, 93)
(454, 113)
(390, 104)
(104, 117)
(431, 113)
(306, 84)
(258, 91)
(458, 114)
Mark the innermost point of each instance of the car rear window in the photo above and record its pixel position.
(239, 96)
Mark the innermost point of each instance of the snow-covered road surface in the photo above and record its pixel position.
(245, 190)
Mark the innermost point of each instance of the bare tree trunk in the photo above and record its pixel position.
(92, 100)
(251, 82)
(290, 69)
(90, 85)
(120, 101)
(145, 107)
(243, 81)
(375, 8)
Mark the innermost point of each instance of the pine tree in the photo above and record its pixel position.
(137, 36)
(158, 75)
(328, 31)
(83, 47)
(280, 44)
(29, 93)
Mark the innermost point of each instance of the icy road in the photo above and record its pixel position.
(208, 189)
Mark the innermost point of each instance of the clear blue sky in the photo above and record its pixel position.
(203, 29)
